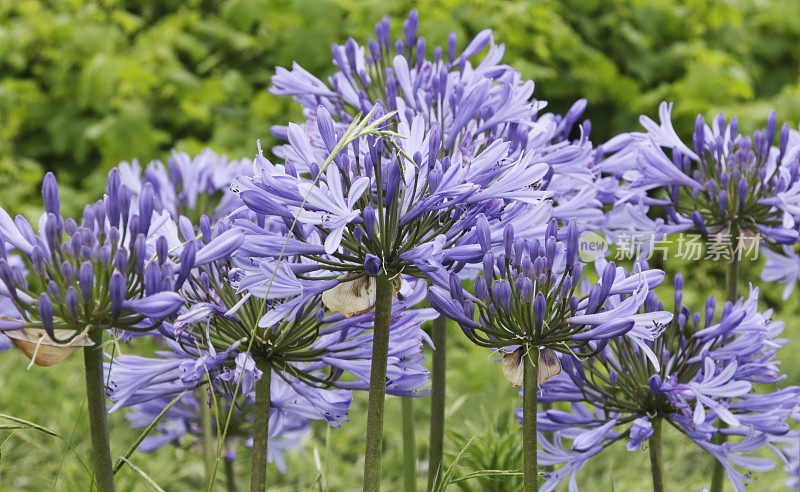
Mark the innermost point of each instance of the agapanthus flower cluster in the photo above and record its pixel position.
(190, 186)
(76, 280)
(724, 183)
(699, 375)
(526, 296)
(446, 107)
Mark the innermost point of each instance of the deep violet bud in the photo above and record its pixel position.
(121, 259)
(480, 288)
(539, 305)
(66, 272)
(372, 265)
(742, 192)
(162, 249)
(526, 289)
(52, 202)
(146, 206)
(483, 233)
(723, 202)
(46, 313)
(88, 217)
(205, 228)
(188, 255)
(100, 215)
(326, 128)
(70, 226)
(410, 27)
(139, 252)
(104, 255)
(501, 291)
(698, 221)
(72, 302)
(488, 267)
(51, 232)
(508, 240)
(455, 287)
(451, 46)
(152, 278)
(551, 230)
(86, 280)
(53, 290)
(572, 241)
(124, 203)
(116, 293)
(607, 280)
(369, 222)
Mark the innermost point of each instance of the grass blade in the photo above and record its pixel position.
(124, 458)
(144, 476)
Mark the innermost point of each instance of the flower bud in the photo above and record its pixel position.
(187, 262)
(369, 222)
(46, 314)
(54, 291)
(699, 223)
(526, 289)
(483, 232)
(52, 202)
(501, 292)
(139, 252)
(72, 302)
(372, 265)
(100, 215)
(116, 293)
(205, 228)
(488, 267)
(70, 226)
(508, 240)
(86, 280)
(146, 206)
(539, 306)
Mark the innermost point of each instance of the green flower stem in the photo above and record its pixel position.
(209, 443)
(230, 476)
(98, 424)
(530, 387)
(409, 447)
(377, 383)
(732, 295)
(438, 369)
(258, 467)
(656, 459)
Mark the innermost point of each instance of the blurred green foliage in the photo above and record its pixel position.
(85, 84)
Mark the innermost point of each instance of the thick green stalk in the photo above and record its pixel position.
(731, 294)
(377, 384)
(409, 447)
(438, 386)
(656, 459)
(258, 467)
(530, 387)
(230, 476)
(209, 443)
(98, 424)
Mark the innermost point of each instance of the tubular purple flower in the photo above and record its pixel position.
(156, 306)
(220, 247)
